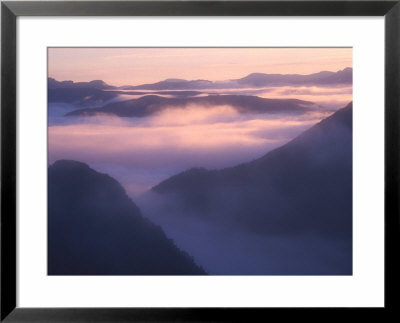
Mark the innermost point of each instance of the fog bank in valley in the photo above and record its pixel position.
(141, 152)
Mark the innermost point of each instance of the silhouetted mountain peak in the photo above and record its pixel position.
(96, 84)
(174, 80)
(311, 175)
(96, 229)
(342, 118)
(88, 181)
(65, 164)
(344, 115)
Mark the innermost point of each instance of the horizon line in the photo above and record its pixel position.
(192, 80)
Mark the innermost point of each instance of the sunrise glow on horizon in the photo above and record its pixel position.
(134, 66)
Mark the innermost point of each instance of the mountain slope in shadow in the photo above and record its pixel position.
(302, 187)
(95, 229)
(152, 104)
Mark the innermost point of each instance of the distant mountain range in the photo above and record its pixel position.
(253, 80)
(95, 84)
(322, 78)
(98, 94)
(302, 187)
(95, 229)
(152, 104)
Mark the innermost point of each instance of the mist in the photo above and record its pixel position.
(288, 212)
(141, 152)
(225, 249)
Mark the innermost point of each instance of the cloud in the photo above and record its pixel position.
(195, 115)
(140, 152)
(327, 97)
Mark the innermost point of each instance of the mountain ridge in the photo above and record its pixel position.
(343, 76)
(94, 228)
(282, 191)
(151, 104)
(96, 84)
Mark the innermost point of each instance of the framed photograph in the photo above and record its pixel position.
(198, 161)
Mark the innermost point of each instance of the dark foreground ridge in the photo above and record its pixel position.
(297, 199)
(303, 186)
(95, 229)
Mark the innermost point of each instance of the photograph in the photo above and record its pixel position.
(199, 161)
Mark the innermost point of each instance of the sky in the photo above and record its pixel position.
(134, 66)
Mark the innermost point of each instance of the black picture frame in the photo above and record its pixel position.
(10, 10)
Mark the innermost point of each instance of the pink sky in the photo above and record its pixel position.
(133, 66)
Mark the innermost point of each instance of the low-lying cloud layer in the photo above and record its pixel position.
(226, 250)
(140, 152)
(328, 97)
